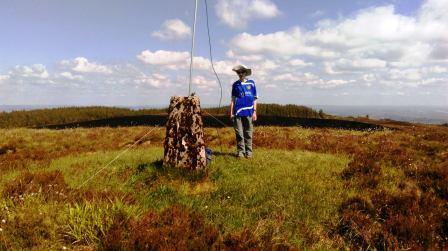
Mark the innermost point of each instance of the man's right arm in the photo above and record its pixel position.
(232, 103)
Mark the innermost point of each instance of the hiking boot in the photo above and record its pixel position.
(240, 155)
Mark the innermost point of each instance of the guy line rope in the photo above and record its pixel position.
(192, 46)
(116, 157)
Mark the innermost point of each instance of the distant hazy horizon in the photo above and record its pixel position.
(415, 114)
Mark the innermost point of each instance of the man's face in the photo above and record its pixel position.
(241, 74)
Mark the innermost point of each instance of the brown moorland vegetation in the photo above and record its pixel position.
(400, 179)
(183, 228)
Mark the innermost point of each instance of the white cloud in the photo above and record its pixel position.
(68, 75)
(317, 13)
(415, 54)
(173, 29)
(374, 46)
(264, 68)
(435, 81)
(279, 43)
(175, 60)
(249, 58)
(222, 67)
(288, 77)
(440, 51)
(434, 20)
(372, 25)
(34, 71)
(170, 59)
(299, 63)
(336, 82)
(407, 74)
(202, 82)
(282, 43)
(154, 80)
(299, 79)
(436, 69)
(354, 65)
(4, 77)
(374, 32)
(237, 13)
(81, 64)
(310, 76)
(369, 77)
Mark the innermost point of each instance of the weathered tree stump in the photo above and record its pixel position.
(184, 145)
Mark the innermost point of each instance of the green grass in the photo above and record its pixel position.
(297, 191)
(288, 195)
(86, 222)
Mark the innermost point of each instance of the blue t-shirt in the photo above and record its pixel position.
(245, 93)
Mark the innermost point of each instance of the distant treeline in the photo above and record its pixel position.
(297, 111)
(64, 115)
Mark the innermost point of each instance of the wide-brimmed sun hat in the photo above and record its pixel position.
(241, 67)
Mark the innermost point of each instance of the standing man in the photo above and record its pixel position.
(243, 110)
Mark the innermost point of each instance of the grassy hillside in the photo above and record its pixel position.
(40, 117)
(304, 188)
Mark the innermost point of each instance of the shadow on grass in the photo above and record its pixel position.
(225, 154)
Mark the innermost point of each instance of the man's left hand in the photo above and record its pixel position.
(254, 116)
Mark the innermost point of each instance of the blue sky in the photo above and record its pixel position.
(304, 52)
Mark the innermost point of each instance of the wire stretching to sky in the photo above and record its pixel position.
(211, 55)
(213, 67)
(192, 46)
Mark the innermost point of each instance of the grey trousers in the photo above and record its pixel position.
(243, 130)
